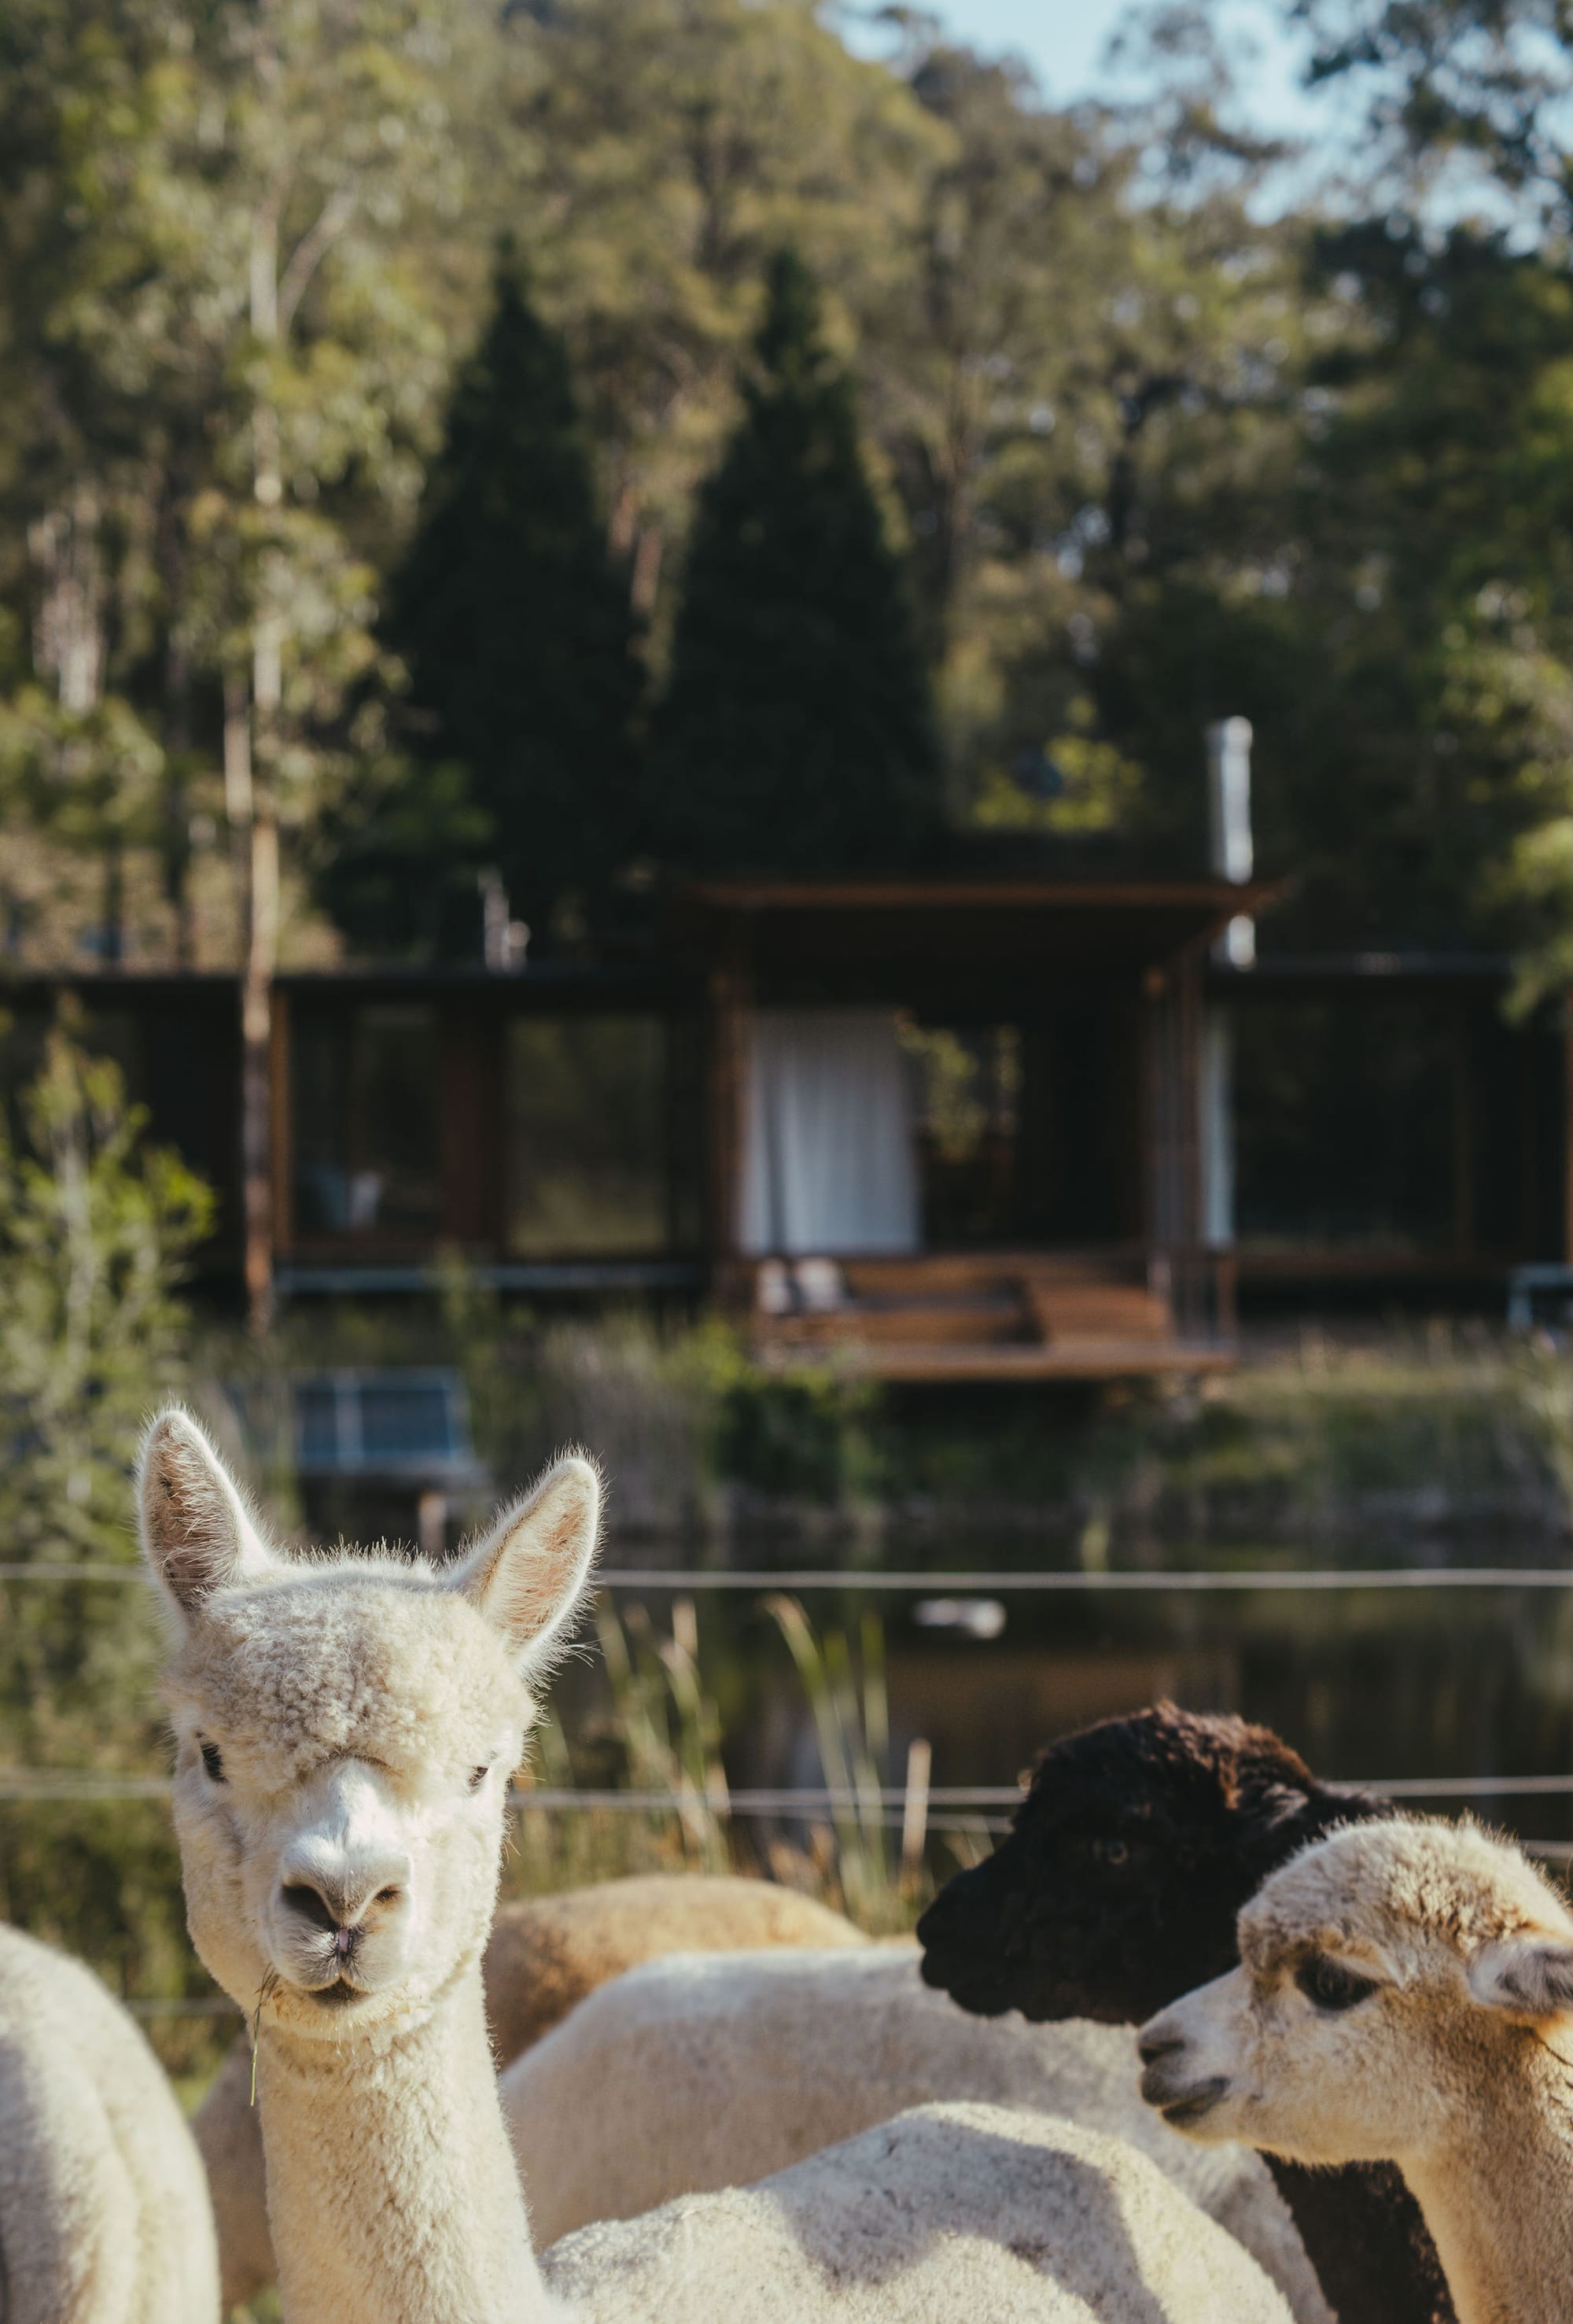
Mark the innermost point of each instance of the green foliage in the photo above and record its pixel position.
(1152, 450)
(675, 146)
(795, 732)
(514, 617)
(224, 340)
(95, 1227)
(806, 1432)
(396, 858)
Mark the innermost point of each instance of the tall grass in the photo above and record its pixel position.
(659, 1735)
(850, 1706)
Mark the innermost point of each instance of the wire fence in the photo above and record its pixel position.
(1075, 1581)
(972, 1809)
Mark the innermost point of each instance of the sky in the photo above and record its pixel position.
(1063, 42)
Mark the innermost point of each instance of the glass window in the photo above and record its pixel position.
(367, 1157)
(966, 1083)
(587, 1171)
(1343, 1124)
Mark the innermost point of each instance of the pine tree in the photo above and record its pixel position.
(796, 734)
(514, 618)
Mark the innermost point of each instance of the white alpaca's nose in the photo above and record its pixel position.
(343, 1881)
(339, 1899)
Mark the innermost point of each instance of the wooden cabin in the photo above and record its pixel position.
(952, 1126)
(944, 1129)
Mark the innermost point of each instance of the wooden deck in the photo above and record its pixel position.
(1018, 1315)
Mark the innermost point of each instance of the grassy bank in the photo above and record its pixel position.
(1403, 1433)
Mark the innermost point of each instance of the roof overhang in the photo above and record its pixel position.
(966, 922)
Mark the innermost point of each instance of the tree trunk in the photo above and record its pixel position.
(261, 960)
(114, 900)
(255, 749)
(256, 1023)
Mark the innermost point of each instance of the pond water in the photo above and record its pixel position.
(1408, 1686)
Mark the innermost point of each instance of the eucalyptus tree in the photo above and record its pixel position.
(664, 150)
(1453, 440)
(244, 298)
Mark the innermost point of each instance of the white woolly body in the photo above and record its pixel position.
(949, 2215)
(104, 2209)
(703, 2072)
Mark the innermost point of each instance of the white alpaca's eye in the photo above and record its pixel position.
(212, 1760)
(1331, 1985)
(478, 1775)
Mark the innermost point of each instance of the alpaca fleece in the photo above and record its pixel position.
(706, 2071)
(1405, 1989)
(923, 2221)
(1118, 1888)
(542, 1958)
(104, 2209)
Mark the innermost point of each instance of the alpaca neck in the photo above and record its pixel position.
(1499, 2203)
(393, 2194)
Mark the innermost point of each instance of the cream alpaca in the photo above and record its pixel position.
(103, 2212)
(1405, 1992)
(949, 2215)
(345, 1731)
(706, 2071)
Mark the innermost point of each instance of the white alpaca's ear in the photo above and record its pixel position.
(1524, 1976)
(529, 1573)
(195, 1534)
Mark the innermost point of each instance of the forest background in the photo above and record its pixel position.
(1159, 424)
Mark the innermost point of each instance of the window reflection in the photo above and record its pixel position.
(364, 1110)
(586, 1136)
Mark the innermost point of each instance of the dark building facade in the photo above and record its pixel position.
(990, 1129)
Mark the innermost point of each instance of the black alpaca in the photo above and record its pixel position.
(1118, 1891)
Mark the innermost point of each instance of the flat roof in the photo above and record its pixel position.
(741, 895)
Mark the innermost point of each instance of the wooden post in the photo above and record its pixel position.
(914, 1809)
(281, 1130)
(730, 996)
(1568, 1126)
(1462, 1062)
(256, 1075)
(473, 1133)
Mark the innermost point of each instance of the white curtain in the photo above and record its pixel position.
(828, 1159)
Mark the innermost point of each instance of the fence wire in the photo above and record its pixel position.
(967, 1808)
(1072, 1582)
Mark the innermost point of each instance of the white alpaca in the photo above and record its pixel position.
(345, 1728)
(694, 2073)
(104, 2209)
(1404, 1994)
(947, 2215)
(542, 1957)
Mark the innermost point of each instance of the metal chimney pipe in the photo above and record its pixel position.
(1232, 855)
(1231, 849)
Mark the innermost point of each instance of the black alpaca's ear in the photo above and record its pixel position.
(197, 1533)
(1283, 1821)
